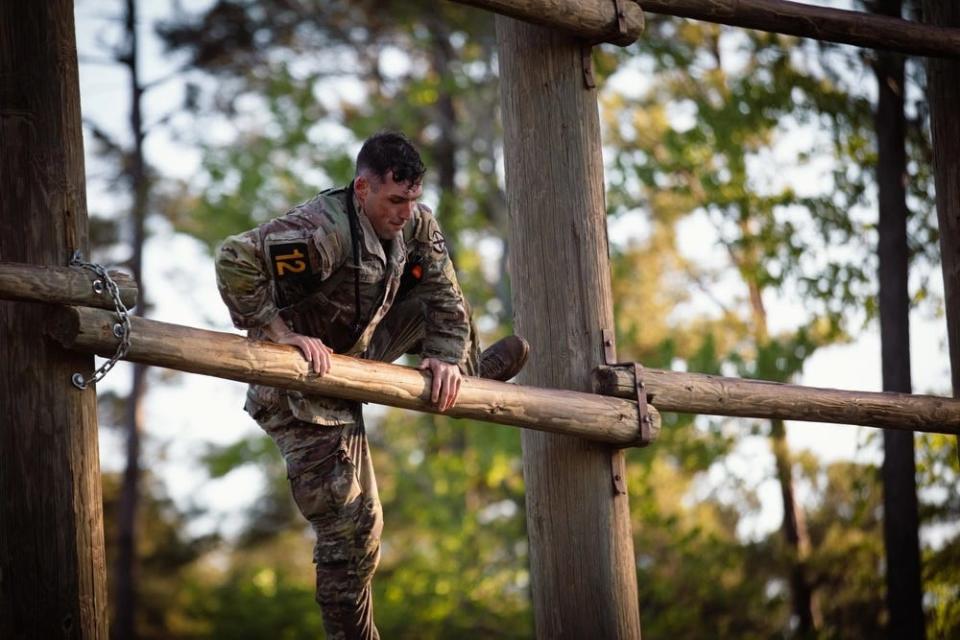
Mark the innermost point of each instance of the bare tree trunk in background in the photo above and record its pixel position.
(125, 603)
(445, 148)
(900, 519)
(803, 599)
(52, 576)
(802, 596)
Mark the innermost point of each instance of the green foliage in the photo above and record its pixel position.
(254, 603)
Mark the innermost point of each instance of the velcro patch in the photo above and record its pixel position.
(290, 261)
(438, 242)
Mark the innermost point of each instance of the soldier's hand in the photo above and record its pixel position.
(446, 382)
(314, 351)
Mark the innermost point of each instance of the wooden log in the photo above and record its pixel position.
(52, 560)
(943, 96)
(582, 563)
(821, 23)
(63, 285)
(592, 20)
(234, 357)
(701, 393)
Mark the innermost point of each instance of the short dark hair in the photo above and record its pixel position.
(390, 151)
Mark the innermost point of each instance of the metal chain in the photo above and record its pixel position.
(121, 329)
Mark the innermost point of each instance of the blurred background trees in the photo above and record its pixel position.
(761, 146)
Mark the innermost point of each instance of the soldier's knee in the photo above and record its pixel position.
(328, 489)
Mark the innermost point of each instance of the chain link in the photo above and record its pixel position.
(121, 329)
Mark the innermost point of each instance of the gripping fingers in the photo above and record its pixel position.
(451, 387)
(321, 362)
(315, 352)
(436, 386)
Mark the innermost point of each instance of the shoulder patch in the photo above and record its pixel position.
(290, 260)
(428, 235)
(437, 241)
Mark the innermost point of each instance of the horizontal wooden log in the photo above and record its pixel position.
(63, 285)
(717, 395)
(822, 23)
(592, 20)
(224, 355)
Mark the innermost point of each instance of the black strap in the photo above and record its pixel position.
(355, 238)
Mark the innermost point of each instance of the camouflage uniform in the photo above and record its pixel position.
(301, 267)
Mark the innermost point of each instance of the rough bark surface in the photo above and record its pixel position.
(822, 23)
(593, 20)
(64, 285)
(900, 521)
(52, 568)
(582, 564)
(225, 355)
(686, 392)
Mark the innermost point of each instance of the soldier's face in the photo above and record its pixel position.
(388, 204)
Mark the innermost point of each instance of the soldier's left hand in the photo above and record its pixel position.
(446, 382)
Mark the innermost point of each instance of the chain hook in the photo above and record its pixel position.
(121, 329)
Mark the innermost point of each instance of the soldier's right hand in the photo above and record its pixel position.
(314, 351)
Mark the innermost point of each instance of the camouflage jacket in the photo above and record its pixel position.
(300, 266)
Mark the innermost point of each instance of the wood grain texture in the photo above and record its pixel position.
(592, 20)
(234, 357)
(716, 395)
(582, 564)
(63, 285)
(52, 565)
(943, 95)
(821, 23)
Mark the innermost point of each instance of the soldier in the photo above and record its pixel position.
(361, 271)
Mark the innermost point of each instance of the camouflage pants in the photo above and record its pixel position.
(333, 483)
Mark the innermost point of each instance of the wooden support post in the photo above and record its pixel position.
(616, 21)
(821, 23)
(52, 573)
(716, 395)
(943, 93)
(64, 285)
(225, 355)
(582, 564)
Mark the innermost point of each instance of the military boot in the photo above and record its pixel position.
(504, 358)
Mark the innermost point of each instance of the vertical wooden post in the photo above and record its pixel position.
(52, 575)
(582, 564)
(943, 93)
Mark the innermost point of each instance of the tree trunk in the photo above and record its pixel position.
(943, 92)
(804, 605)
(900, 520)
(582, 564)
(126, 569)
(802, 596)
(52, 576)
